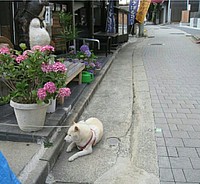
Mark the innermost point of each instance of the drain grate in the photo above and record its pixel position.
(156, 44)
(178, 33)
(113, 141)
(151, 36)
(165, 28)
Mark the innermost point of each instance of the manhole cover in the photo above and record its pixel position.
(113, 141)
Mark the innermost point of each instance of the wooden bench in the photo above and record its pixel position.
(74, 72)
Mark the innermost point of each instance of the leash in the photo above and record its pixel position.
(45, 126)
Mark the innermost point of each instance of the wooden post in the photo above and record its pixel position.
(141, 29)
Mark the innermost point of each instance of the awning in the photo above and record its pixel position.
(157, 1)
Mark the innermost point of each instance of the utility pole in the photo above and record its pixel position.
(199, 6)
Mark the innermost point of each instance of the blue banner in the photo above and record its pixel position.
(133, 6)
(6, 174)
(110, 23)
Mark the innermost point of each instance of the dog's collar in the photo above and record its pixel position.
(92, 138)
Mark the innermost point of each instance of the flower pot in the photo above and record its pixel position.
(30, 117)
(97, 71)
(52, 106)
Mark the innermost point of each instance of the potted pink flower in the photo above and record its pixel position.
(34, 77)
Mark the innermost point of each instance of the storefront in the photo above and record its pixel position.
(89, 17)
(6, 17)
(122, 25)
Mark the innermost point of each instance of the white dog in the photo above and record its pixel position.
(84, 135)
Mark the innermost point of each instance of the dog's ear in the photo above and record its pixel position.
(73, 123)
(76, 129)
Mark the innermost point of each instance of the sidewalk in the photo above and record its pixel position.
(165, 77)
(29, 160)
(171, 61)
(127, 152)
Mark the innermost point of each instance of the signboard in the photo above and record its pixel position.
(142, 11)
(133, 6)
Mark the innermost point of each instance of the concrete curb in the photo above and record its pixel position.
(46, 162)
(196, 38)
(144, 151)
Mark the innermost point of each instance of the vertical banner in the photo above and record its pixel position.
(142, 11)
(110, 22)
(133, 6)
(48, 15)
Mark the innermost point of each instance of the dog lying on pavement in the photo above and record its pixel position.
(84, 135)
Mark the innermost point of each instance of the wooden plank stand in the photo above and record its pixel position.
(74, 72)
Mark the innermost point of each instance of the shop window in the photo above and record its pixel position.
(120, 24)
(125, 23)
(5, 20)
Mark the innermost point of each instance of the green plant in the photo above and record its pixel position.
(33, 76)
(86, 56)
(69, 32)
(4, 99)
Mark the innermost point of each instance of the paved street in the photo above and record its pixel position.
(149, 103)
(165, 71)
(173, 72)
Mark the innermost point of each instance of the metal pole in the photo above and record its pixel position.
(74, 24)
(199, 6)
(169, 11)
(13, 22)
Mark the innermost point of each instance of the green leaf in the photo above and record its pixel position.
(48, 144)
(22, 46)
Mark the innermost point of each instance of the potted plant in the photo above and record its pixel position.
(86, 56)
(69, 31)
(34, 77)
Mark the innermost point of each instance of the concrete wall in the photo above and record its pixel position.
(177, 6)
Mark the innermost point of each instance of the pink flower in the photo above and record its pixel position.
(41, 93)
(20, 58)
(50, 87)
(4, 50)
(37, 47)
(26, 52)
(47, 48)
(46, 68)
(58, 66)
(64, 92)
(13, 56)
